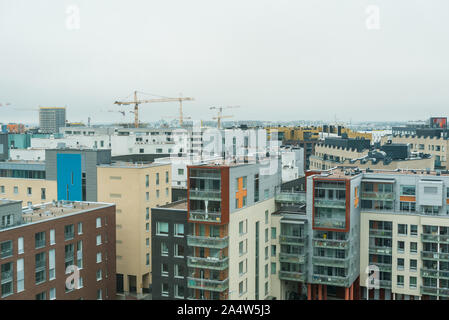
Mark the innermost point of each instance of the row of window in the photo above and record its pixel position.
(162, 229)
(147, 179)
(29, 191)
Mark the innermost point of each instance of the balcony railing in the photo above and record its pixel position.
(331, 261)
(292, 257)
(208, 263)
(385, 267)
(329, 243)
(293, 240)
(7, 276)
(294, 197)
(428, 255)
(331, 280)
(380, 250)
(6, 253)
(292, 276)
(208, 242)
(380, 233)
(427, 237)
(206, 284)
(205, 194)
(329, 223)
(368, 195)
(327, 203)
(429, 273)
(385, 284)
(200, 215)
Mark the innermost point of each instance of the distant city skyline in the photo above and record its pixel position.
(278, 60)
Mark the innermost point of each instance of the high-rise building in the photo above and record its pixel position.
(51, 119)
(47, 246)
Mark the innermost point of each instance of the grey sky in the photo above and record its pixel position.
(278, 60)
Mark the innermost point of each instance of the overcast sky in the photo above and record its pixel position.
(278, 59)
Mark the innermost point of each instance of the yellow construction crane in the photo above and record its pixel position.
(220, 114)
(136, 103)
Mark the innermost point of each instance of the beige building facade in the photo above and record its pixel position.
(30, 191)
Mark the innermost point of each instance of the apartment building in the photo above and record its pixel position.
(229, 213)
(4, 149)
(169, 231)
(51, 119)
(135, 189)
(39, 244)
(404, 235)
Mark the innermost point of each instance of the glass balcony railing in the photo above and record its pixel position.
(380, 250)
(208, 242)
(208, 263)
(384, 267)
(200, 215)
(205, 194)
(329, 243)
(292, 257)
(427, 237)
(428, 255)
(6, 276)
(206, 284)
(331, 262)
(329, 223)
(380, 233)
(371, 195)
(293, 240)
(385, 284)
(432, 291)
(292, 276)
(327, 203)
(429, 273)
(331, 280)
(295, 197)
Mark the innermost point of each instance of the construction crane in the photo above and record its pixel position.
(136, 103)
(220, 114)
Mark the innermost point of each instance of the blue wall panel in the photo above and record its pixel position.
(69, 177)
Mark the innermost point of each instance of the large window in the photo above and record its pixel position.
(179, 229)
(40, 272)
(162, 228)
(7, 278)
(6, 249)
(408, 190)
(39, 239)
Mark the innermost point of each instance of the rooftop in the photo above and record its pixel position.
(132, 165)
(178, 205)
(340, 172)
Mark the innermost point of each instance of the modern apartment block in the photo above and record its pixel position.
(38, 248)
(405, 234)
(4, 149)
(169, 230)
(229, 213)
(135, 189)
(51, 119)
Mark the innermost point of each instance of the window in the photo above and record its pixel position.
(52, 237)
(39, 240)
(69, 232)
(79, 255)
(147, 196)
(164, 249)
(273, 233)
(241, 248)
(241, 288)
(266, 288)
(51, 264)
(413, 247)
(179, 271)
(266, 271)
(2, 189)
(241, 268)
(164, 289)
(147, 214)
(98, 222)
(273, 268)
(43, 194)
(164, 269)
(401, 246)
(166, 192)
(147, 242)
(157, 194)
(99, 294)
(267, 252)
(69, 255)
(413, 282)
(413, 264)
(147, 181)
(98, 239)
(266, 193)
(6, 249)
(179, 251)
(240, 227)
(29, 191)
(408, 190)
(180, 172)
(7, 278)
(16, 190)
(273, 250)
(413, 230)
(98, 257)
(402, 229)
(166, 176)
(162, 228)
(157, 178)
(99, 275)
(179, 291)
(147, 227)
(266, 216)
(20, 276)
(147, 261)
(40, 272)
(400, 281)
(400, 264)
(41, 296)
(80, 228)
(179, 229)
(266, 235)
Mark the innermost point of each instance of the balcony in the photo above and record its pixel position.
(207, 242)
(206, 284)
(208, 263)
(380, 250)
(429, 291)
(331, 280)
(428, 255)
(7, 276)
(331, 261)
(205, 195)
(370, 195)
(380, 233)
(292, 276)
(327, 203)
(427, 237)
(200, 215)
(429, 273)
(292, 257)
(385, 284)
(329, 243)
(292, 240)
(291, 197)
(329, 223)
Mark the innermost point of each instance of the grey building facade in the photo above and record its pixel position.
(51, 119)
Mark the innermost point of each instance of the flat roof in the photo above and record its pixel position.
(59, 209)
(178, 205)
(132, 165)
(340, 172)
